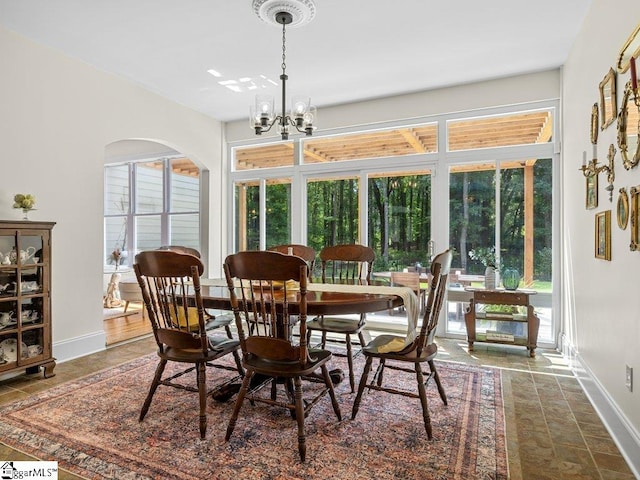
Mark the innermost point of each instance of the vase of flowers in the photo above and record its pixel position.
(26, 202)
(487, 256)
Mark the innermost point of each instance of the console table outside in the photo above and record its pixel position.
(512, 298)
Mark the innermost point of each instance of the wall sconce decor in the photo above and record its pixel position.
(591, 170)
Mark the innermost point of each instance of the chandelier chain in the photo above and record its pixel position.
(284, 50)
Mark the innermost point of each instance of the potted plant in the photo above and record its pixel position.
(25, 202)
(487, 256)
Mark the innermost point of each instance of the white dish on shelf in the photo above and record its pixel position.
(8, 324)
(10, 349)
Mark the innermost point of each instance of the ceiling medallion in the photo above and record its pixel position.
(302, 11)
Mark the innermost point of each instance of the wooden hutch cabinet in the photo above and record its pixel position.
(505, 316)
(25, 302)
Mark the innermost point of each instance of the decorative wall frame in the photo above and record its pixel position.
(622, 209)
(634, 193)
(593, 133)
(608, 107)
(631, 48)
(603, 235)
(591, 192)
(629, 128)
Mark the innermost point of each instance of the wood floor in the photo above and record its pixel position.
(125, 328)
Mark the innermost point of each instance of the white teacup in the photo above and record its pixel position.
(35, 259)
(34, 350)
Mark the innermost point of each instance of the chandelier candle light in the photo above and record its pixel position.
(262, 115)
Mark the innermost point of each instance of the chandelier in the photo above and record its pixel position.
(302, 115)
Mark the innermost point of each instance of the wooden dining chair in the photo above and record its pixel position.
(302, 251)
(411, 280)
(213, 322)
(170, 286)
(349, 264)
(264, 286)
(422, 350)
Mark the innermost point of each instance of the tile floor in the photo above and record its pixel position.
(553, 432)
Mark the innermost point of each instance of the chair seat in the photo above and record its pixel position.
(218, 348)
(336, 324)
(218, 321)
(287, 369)
(409, 355)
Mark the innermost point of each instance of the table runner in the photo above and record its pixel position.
(385, 343)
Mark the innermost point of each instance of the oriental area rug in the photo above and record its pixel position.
(90, 426)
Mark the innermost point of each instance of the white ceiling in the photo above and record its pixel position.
(351, 51)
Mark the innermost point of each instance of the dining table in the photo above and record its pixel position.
(338, 298)
(322, 298)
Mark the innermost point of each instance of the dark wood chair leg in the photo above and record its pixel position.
(380, 372)
(363, 383)
(332, 393)
(436, 377)
(299, 409)
(202, 393)
(422, 392)
(352, 381)
(238, 405)
(236, 357)
(228, 330)
(154, 386)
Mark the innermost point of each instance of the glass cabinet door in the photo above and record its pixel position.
(24, 297)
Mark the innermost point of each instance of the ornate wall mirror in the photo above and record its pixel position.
(635, 237)
(631, 48)
(628, 128)
(594, 124)
(623, 209)
(608, 110)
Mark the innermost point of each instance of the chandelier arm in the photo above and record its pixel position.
(269, 125)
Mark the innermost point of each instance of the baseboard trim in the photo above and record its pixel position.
(625, 436)
(79, 346)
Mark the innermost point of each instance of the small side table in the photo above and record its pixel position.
(514, 321)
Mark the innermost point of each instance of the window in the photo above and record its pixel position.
(523, 128)
(149, 204)
(332, 212)
(408, 189)
(277, 213)
(399, 219)
(505, 206)
(396, 142)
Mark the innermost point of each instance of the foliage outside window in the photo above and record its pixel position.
(399, 220)
(332, 212)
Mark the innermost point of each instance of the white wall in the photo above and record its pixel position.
(603, 305)
(503, 91)
(57, 116)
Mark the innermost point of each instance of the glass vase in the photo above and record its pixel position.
(510, 279)
(25, 213)
(490, 282)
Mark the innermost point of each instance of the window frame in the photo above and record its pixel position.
(438, 162)
(165, 214)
